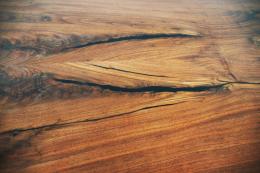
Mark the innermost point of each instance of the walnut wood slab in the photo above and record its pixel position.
(136, 86)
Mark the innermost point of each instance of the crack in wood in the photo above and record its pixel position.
(152, 89)
(46, 45)
(135, 37)
(127, 71)
(16, 132)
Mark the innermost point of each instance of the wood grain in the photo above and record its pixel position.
(130, 86)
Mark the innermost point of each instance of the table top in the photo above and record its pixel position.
(136, 86)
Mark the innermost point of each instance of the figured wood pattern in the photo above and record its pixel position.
(130, 86)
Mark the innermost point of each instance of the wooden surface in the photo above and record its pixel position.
(136, 86)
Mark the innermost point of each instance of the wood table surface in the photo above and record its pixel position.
(130, 86)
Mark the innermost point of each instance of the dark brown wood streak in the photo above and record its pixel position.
(132, 86)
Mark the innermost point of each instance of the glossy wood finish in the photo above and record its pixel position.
(130, 86)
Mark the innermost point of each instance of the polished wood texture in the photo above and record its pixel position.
(137, 86)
